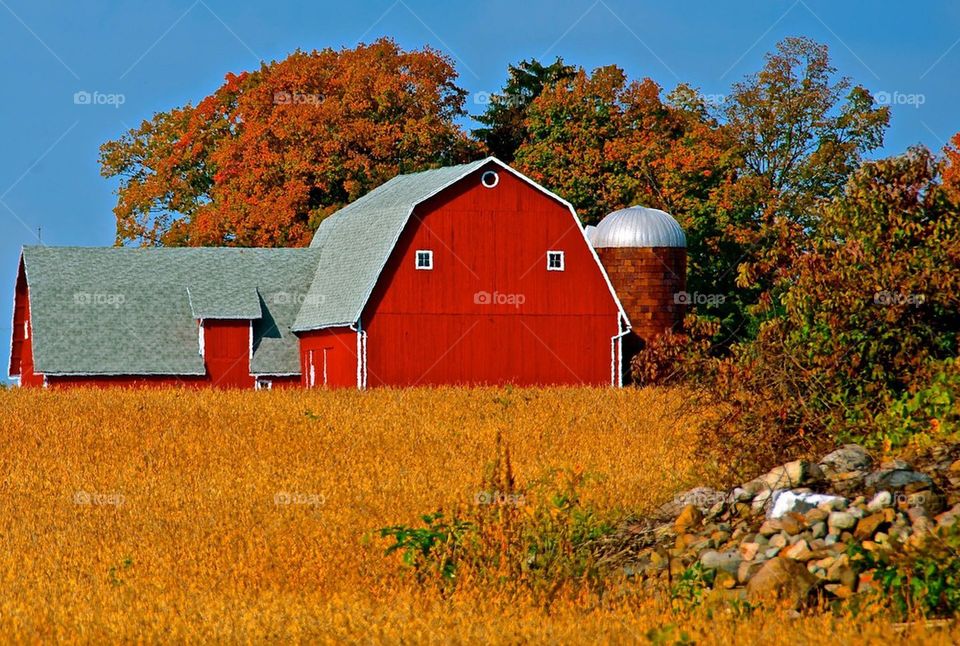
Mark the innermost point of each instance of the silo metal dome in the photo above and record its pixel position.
(638, 226)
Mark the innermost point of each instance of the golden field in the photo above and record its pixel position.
(177, 516)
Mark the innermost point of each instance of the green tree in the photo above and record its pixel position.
(799, 132)
(504, 119)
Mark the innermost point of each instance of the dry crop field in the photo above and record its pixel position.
(251, 516)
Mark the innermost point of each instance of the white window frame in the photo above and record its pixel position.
(561, 256)
(263, 384)
(26, 330)
(493, 182)
(416, 260)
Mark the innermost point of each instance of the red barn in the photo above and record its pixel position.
(471, 274)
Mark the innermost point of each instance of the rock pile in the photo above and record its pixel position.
(789, 532)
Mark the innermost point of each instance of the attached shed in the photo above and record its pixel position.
(191, 316)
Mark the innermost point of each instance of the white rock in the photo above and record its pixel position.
(788, 501)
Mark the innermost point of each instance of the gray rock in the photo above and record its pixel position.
(896, 479)
(728, 561)
(789, 475)
(703, 498)
(819, 530)
(850, 457)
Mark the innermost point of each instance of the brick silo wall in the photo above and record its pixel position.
(646, 280)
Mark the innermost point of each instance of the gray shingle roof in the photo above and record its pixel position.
(133, 311)
(356, 241)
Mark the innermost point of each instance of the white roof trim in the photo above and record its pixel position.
(13, 319)
(583, 233)
(125, 374)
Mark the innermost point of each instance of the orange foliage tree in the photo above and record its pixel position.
(268, 155)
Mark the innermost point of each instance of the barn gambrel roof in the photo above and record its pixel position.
(357, 241)
(106, 310)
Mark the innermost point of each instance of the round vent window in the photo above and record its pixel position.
(489, 179)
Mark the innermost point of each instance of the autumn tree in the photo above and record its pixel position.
(866, 343)
(799, 132)
(604, 142)
(504, 120)
(270, 153)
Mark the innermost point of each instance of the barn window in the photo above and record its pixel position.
(489, 179)
(263, 384)
(424, 259)
(555, 261)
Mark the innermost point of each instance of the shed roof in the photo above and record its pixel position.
(105, 310)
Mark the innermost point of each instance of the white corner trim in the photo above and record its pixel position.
(616, 356)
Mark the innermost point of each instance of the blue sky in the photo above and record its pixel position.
(140, 58)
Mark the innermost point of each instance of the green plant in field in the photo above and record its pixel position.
(690, 587)
(932, 409)
(431, 549)
(115, 571)
(668, 635)
(924, 580)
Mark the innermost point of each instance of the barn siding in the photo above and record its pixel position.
(335, 348)
(432, 327)
(21, 344)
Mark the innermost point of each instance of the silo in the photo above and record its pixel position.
(644, 252)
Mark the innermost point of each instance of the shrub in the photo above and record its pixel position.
(925, 580)
(869, 315)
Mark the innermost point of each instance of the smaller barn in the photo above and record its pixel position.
(470, 274)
